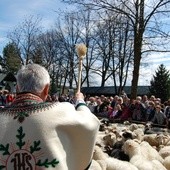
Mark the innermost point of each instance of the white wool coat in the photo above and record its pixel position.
(54, 137)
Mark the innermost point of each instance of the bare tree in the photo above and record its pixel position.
(142, 16)
(68, 34)
(24, 36)
(48, 44)
(124, 52)
(87, 28)
(113, 49)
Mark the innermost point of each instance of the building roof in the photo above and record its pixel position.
(110, 90)
(2, 76)
(7, 77)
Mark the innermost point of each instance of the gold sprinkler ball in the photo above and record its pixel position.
(81, 50)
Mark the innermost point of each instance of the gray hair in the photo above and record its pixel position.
(32, 78)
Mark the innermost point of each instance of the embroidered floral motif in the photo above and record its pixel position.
(21, 116)
(24, 105)
(25, 156)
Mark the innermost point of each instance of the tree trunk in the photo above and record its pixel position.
(134, 86)
(138, 38)
(137, 60)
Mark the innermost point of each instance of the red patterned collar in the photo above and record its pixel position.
(26, 99)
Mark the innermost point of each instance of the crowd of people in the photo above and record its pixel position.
(6, 98)
(143, 108)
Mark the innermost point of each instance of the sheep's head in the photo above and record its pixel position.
(148, 125)
(162, 139)
(133, 126)
(98, 154)
(127, 135)
(126, 123)
(105, 121)
(130, 147)
(109, 139)
(102, 127)
(118, 135)
(151, 139)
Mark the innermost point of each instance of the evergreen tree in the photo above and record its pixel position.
(11, 59)
(160, 84)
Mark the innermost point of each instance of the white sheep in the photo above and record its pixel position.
(168, 143)
(111, 163)
(126, 123)
(99, 139)
(162, 139)
(138, 157)
(157, 165)
(151, 139)
(111, 128)
(149, 152)
(109, 139)
(166, 162)
(97, 165)
(98, 154)
(141, 126)
(131, 148)
(115, 164)
(139, 134)
(142, 164)
(165, 152)
(133, 127)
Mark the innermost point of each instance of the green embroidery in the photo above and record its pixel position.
(21, 109)
(5, 149)
(21, 116)
(80, 104)
(22, 158)
(20, 136)
(35, 147)
(46, 164)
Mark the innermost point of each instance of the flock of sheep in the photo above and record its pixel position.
(131, 146)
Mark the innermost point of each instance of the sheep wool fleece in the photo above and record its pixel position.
(36, 135)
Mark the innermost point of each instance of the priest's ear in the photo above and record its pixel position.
(45, 91)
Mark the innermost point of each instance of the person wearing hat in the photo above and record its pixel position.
(39, 135)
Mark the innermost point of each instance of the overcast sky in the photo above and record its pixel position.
(13, 12)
